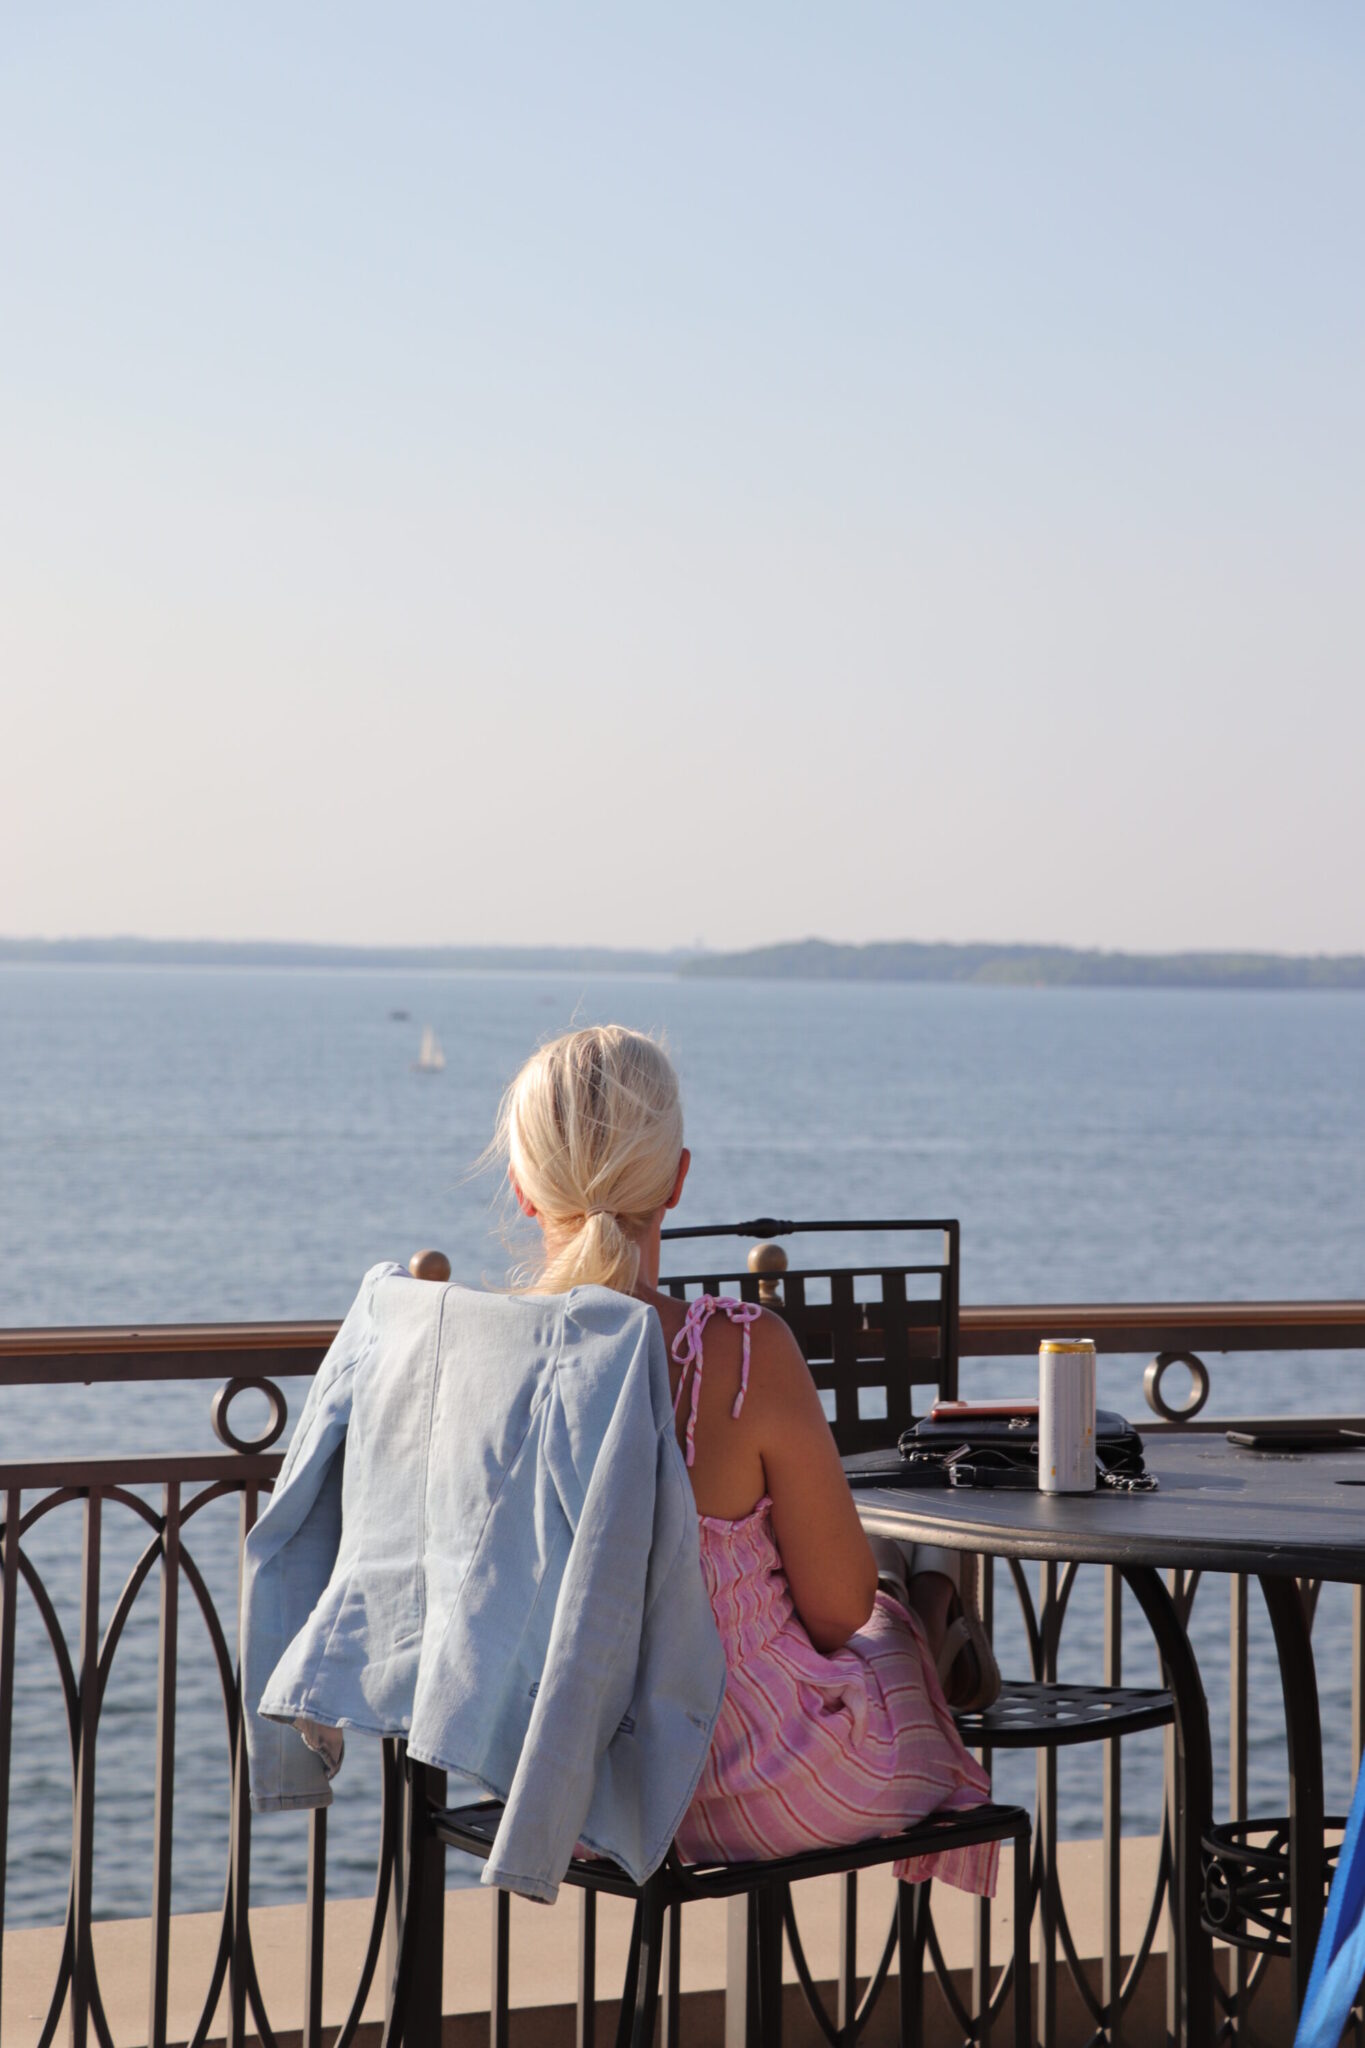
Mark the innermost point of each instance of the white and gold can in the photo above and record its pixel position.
(1066, 1415)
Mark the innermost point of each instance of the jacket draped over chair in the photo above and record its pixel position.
(483, 1539)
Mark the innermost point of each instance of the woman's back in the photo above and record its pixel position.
(726, 1468)
(761, 1434)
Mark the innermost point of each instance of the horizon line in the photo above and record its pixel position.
(14, 946)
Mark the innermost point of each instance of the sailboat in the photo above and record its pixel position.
(430, 1060)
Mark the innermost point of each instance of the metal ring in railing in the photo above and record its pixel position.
(223, 1400)
(1199, 1388)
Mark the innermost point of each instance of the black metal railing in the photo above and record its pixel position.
(165, 1497)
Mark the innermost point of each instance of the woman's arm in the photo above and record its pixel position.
(828, 1561)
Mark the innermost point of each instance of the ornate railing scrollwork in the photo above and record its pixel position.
(85, 1497)
(226, 1434)
(1186, 1410)
(163, 1562)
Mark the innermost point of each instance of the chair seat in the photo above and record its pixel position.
(472, 1829)
(1033, 1716)
(431, 1828)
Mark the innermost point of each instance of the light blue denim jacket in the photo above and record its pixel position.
(502, 1567)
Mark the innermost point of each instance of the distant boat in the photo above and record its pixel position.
(399, 1016)
(430, 1060)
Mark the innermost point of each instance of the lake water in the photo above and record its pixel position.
(200, 1145)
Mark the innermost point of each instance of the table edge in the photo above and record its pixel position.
(902, 1513)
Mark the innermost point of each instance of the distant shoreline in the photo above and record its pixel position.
(982, 966)
(1032, 966)
(130, 952)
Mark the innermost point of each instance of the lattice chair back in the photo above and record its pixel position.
(881, 1339)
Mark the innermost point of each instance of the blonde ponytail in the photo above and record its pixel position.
(592, 1131)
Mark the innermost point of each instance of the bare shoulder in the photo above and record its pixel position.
(774, 1344)
(769, 1338)
(779, 1377)
(721, 1341)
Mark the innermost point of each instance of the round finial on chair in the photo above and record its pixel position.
(429, 1266)
(769, 1261)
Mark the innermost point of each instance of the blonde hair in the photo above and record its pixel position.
(592, 1130)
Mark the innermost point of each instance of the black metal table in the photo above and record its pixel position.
(1277, 1516)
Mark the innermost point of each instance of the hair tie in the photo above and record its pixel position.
(599, 1212)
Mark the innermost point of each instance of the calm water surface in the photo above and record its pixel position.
(199, 1145)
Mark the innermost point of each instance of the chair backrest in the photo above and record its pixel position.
(871, 1333)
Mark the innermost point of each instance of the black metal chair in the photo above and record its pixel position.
(874, 1335)
(414, 2018)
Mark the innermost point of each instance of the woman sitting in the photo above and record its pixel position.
(834, 1726)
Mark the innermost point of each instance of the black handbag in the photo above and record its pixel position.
(997, 1450)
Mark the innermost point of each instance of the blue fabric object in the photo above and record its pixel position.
(483, 1538)
(1339, 1959)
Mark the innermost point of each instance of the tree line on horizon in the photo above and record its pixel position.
(1032, 966)
(906, 960)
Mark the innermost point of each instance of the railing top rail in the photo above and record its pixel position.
(143, 1468)
(153, 1351)
(1133, 1326)
(111, 1337)
(165, 1351)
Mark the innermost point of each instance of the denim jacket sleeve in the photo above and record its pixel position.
(288, 1561)
(608, 1496)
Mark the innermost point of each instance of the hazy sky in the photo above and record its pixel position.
(577, 473)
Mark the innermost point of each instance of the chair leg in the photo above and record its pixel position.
(741, 1971)
(417, 1965)
(670, 2034)
(910, 1932)
(651, 1937)
(1023, 1962)
(586, 2029)
(628, 1990)
(401, 1988)
(500, 2003)
(847, 1994)
(769, 1933)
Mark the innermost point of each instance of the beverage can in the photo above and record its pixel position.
(1066, 1415)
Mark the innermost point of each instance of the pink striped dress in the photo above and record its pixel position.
(814, 1749)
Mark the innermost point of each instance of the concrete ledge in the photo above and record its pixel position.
(544, 1964)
